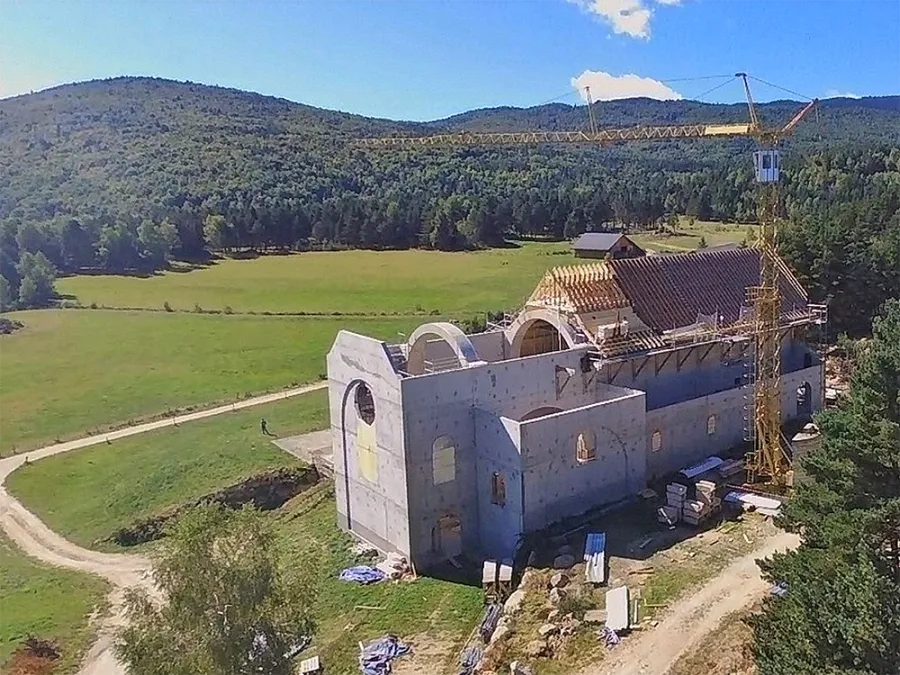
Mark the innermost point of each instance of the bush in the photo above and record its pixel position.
(228, 310)
(197, 309)
(167, 306)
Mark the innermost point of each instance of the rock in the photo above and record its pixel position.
(559, 580)
(536, 649)
(514, 601)
(565, 550)
(563, 562)
(575, 624)
(556, 595)
(553, 615)
(595, 616)
(516, 668)
(501, 632)
(547, 630)
(532, 559)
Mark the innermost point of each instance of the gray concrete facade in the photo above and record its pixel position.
(423, 477)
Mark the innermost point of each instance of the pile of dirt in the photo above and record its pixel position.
(36, 656)
(8, 326)
(267, 491)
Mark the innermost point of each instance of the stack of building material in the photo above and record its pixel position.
(671, 512)
(668, 515)
(617, 609)
(706, 493)
(595, 558)
(693, 512)
(730, 468)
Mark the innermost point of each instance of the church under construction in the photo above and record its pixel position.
(612, 374)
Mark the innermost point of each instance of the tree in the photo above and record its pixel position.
(231, 608)
(217, 232)
(842, 610)
(7, 300)
(38, 275)
(118, 247)
(157, 241)
(77, 247)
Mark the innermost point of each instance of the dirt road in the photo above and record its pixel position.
(121, 570)
(654, 651)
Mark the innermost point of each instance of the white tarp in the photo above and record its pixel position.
(766, 505)
(617, 608)
(707, 464)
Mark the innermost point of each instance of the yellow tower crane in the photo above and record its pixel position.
(768, 460)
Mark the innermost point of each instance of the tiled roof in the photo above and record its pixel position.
(596, 241)
(671, 291)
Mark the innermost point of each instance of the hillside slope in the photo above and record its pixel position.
(137, 145)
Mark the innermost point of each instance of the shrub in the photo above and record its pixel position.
(167, 306)
(228, 310)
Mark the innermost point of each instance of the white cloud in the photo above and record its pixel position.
(627, 17)
(606, 87)
(834, 93)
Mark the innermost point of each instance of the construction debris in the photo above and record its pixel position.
(310, 666)
(609, 636)
(595, 558)
(707, 464)
(362, 574)
(394, 566)
(768, 506)
(489, 621)
(617, 607)
(376, 657)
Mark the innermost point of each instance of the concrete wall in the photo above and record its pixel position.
(684, 426)
(491, 346)
(556, 484)
(373, 505)
(500, 525)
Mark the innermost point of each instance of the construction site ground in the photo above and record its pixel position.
(667, 569)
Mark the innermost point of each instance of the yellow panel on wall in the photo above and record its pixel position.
(365, 452)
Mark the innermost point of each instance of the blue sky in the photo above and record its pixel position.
(425, 59)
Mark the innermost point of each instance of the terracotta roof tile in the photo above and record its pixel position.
(671, 291)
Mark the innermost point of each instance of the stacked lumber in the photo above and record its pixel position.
(693, 512)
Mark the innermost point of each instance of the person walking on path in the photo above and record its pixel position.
(264, 427)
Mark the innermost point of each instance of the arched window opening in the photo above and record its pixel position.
(585, 449)
(656, 441)
(443, 460)
(498, 489)
(365, 403)
(711, 425)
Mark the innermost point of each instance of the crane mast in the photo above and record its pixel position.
(769, 459)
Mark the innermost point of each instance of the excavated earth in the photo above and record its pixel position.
(267, 491)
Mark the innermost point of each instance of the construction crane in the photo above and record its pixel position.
(769, 460)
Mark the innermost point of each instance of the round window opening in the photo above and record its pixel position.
(365, 404)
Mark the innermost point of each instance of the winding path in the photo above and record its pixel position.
(121, 570)
(684, 624)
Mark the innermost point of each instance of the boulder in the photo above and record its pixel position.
(553, 615)
(501, 632)
(595, 616)
(564, 562)
(559, 580)
(537, 648)
(564, 550)
(556, 595)
(514, 601)
(547, 630)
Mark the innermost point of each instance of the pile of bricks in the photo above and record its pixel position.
(671, 512)
(692, 511)
(695, 511)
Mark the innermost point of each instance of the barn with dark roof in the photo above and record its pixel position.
(614, 373)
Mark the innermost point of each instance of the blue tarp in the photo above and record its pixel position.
(362, 574)
(377, 656)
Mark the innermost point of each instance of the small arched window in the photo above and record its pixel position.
(585, 449)
(498, 489)
(711, 425)
(656, 441)
(443, 460)
(365, 403)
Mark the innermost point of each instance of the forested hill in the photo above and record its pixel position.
(127, 173)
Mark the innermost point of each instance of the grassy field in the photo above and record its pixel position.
(346, 281)
(73, 371)
(48, 602)
(689, 235)
(86, 495)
